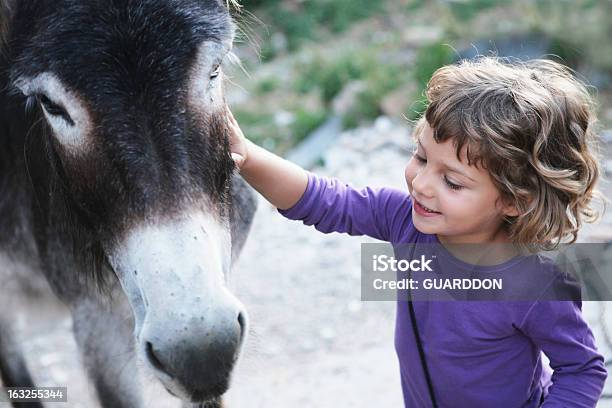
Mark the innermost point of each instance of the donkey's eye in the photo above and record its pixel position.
(215, 72)
(53, 109)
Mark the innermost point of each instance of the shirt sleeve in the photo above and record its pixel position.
(333, 206)
(559, 329)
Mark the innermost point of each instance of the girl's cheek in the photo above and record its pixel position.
(462, 204)
(410, 173)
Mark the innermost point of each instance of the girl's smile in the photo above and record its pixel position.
(424, 211)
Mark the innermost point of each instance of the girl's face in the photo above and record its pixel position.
(466, 203)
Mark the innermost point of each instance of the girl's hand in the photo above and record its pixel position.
(281, 182)
(238, 143)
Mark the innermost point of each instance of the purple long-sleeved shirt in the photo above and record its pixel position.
(479, 353)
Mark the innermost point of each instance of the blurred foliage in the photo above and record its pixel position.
(428, 59)
(258, 126)
(466, 10)
(579, 30)
(576, 31)
(581, 27)
(306, 122)
(331, 76)
(379, 81)
(255, 4)
(267, 85)
(415, 4)
(263, 128)
(301, 21)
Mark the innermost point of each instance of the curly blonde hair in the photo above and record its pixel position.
(531, 125)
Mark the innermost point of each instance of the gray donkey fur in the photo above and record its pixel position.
(118, 194)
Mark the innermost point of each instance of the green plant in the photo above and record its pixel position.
(258, 127)
(305, 122)
(415, 4)
(308, 20)
(429, 59)
(467, 10)
(261, 128)
(338, 15)
(380, 79)
(568, 53)
(253, 4)
(331, 76)
(267, 85)
(297, 27)
(366, 108)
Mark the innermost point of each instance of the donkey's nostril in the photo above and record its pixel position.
(153, 358)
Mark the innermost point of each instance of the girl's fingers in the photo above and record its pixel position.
(237, 148)
(233, 124)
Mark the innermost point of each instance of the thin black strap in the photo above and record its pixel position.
(415, 330)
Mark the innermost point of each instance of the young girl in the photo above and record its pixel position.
(505, 155)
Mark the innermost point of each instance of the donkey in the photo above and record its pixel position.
(117, 191)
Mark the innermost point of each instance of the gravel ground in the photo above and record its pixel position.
(313, 343)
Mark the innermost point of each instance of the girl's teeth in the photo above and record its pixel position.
(428, 209)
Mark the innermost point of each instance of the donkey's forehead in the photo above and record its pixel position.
(156, 40)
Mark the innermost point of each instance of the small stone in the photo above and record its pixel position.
(284, 118)
(279, 42)
(418, 35)
(272, 349)
(327, 333)
(308, 345)
(354, 306)
(396, 103)
(346, 99)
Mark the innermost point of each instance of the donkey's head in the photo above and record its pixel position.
(129, 94)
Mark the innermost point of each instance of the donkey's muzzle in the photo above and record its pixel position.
(194, 359)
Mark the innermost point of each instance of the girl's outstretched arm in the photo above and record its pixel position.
(325, 203)
(281, 182)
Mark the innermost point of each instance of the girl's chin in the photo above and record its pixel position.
(424, 228)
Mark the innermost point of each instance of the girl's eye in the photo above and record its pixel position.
(452, 185)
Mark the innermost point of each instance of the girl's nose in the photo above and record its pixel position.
(421, 184)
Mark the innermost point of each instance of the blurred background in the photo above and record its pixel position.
(308, 60)
(333, 85)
